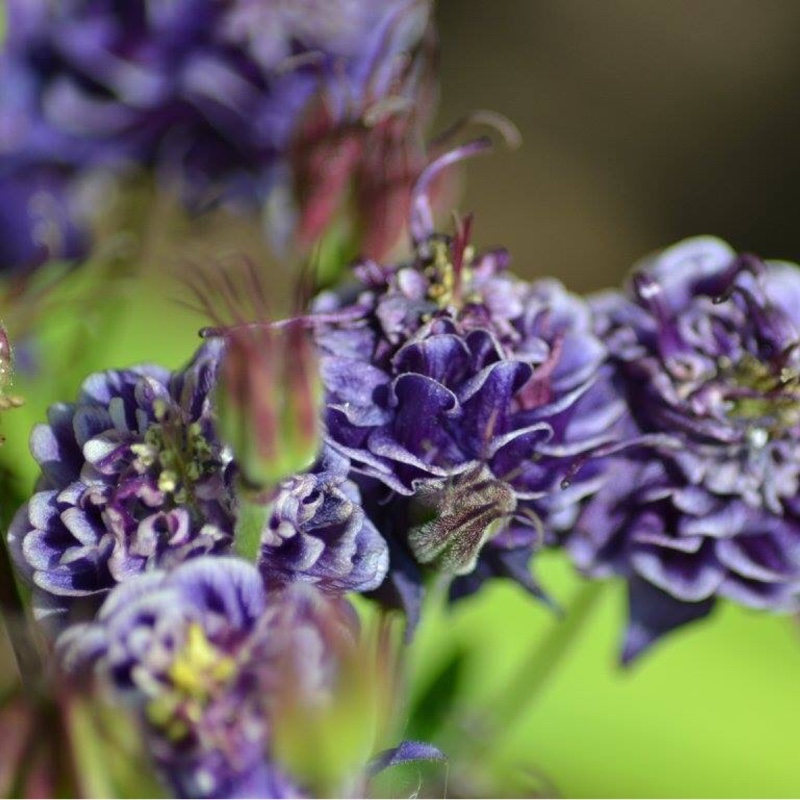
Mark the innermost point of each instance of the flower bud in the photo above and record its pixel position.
(324, 739)
(268, 402)
(459, 518)
(7, 400)
(352, 182)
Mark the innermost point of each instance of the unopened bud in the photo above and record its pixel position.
(269, 402)
(7, 400)
(325, 736)
(458, 518)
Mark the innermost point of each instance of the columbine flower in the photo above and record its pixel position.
(132, 477)
(317, 532)
(198, 652)
(465, 399)
(217, 667)
(706, 348)
(209, 93)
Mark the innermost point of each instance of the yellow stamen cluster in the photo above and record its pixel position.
(446, 287)
(197, 674)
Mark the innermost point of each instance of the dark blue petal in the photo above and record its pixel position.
(405, 753)
(652, 614)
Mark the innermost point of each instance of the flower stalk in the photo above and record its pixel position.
(252, 518)
(542, 661)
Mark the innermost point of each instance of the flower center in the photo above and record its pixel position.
(449, 278)
(177, 453)
(758, 392)
(198, 673)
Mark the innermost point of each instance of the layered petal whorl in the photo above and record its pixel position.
(448, 373)
(133, 477)
(705, 345)
(205, 655)
(318, 533)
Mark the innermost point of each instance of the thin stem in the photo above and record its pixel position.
(251, 519)
(540, 664)
(12, 609)
(437, 588)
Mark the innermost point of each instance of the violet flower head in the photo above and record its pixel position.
(39, 220)
(466, 400)
(132, 477)
(206, 655)
(318, 532)
(209, 93)
(705, 346)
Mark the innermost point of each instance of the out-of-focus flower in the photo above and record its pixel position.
(133, 476)
(39, 219)
(222, 673)
(195, 651)
(362, 173)
(705, 347)
(268, 401)
(466, 400)
(210, 94)
(317, 532)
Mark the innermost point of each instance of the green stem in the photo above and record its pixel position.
(12, 607)
(540, 664)
(250, 522)
(437, 587)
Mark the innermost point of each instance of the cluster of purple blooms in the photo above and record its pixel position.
(128, 545)
(213, 95)
(654, 433)
(469, 419)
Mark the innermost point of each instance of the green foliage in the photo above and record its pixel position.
(437, 701)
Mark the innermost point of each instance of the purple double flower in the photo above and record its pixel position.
(705, 348)
(469, 403)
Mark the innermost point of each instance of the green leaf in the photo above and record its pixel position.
(435, 706)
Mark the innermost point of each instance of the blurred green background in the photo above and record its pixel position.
(643, 123)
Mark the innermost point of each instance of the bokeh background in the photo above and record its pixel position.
(643, 123)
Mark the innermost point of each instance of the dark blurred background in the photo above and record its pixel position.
(643, 123)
